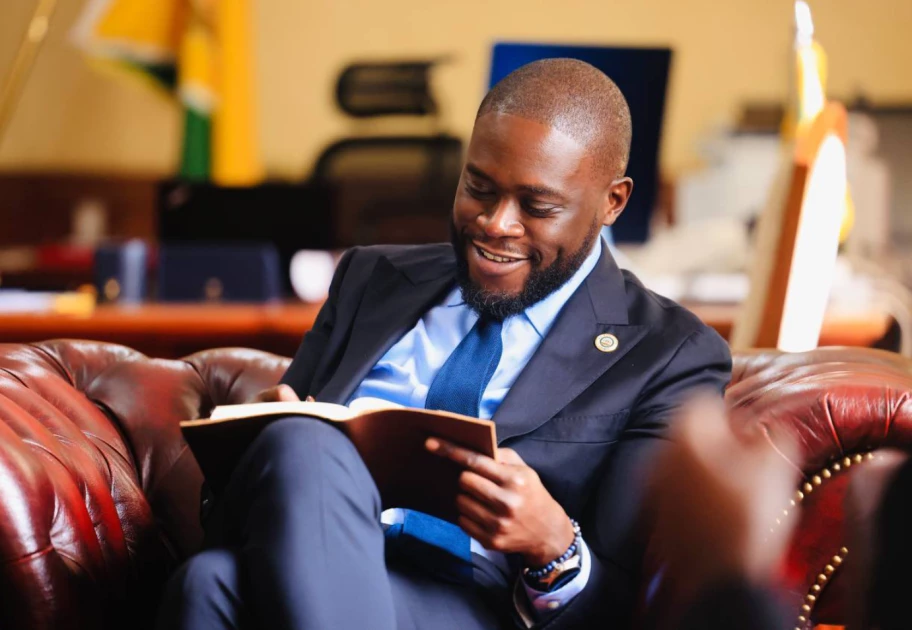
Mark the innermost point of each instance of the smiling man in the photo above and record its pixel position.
(526, 319)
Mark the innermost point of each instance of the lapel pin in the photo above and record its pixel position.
(606, 343)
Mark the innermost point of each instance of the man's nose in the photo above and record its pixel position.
(503, 219)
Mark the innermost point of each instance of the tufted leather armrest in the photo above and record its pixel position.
(848, 407)
(100, 494)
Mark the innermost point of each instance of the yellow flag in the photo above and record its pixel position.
(236, 159)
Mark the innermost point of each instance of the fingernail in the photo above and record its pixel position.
(431, 444)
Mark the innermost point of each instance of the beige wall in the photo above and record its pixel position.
(727, 52)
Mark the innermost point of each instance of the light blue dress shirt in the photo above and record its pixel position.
(405, 373)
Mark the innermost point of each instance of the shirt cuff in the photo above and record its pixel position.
(540, 604)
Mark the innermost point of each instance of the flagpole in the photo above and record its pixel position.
(25, 59)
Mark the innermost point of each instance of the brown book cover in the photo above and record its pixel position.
(390, 441)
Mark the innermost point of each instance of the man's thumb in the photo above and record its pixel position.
(286, 394)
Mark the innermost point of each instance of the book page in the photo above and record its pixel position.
(369, 403)
(327, 411)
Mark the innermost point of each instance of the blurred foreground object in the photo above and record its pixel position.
(200, 50)
(798, 232)
(742, 480)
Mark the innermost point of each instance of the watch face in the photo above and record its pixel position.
(816, 244)
(556, 577)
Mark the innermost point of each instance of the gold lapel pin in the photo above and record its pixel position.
(606, 343)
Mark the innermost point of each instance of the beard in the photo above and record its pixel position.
(542, 281)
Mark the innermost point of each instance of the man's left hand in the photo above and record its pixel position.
(503, 505)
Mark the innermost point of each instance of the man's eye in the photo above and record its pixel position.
(539, 209)
(478, 193)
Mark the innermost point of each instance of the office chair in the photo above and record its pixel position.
(390, 189)
(380, 89)
(394, 189)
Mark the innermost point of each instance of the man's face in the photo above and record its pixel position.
(526, 215)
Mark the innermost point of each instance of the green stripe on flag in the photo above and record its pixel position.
(196, 160)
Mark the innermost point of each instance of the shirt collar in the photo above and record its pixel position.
(542, 314)
(454, 298)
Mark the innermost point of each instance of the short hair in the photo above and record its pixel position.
(573, 97)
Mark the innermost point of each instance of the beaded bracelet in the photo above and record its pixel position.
(574, 547)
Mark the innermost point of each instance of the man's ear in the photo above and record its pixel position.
(616, 196)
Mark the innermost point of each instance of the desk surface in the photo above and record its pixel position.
(185, 320)
(170, 331)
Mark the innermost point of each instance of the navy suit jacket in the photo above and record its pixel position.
(587, 421)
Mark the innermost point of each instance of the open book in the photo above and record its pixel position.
(390, 440)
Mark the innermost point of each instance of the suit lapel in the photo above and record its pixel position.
(568, 361)
(398, 293)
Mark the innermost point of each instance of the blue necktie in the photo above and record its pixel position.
(440, 547)
(461, 381)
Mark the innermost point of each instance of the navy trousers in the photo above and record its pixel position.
(295, 542)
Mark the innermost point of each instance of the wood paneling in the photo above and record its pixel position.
(37, 208)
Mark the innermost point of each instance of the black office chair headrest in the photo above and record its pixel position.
(376, 89)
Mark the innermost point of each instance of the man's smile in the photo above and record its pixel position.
(495, 263)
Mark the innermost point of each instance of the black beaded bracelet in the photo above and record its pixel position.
(574, 547)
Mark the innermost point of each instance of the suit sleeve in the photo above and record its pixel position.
(300, 373)
(610, 525)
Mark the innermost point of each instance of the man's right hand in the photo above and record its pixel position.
(279, 393)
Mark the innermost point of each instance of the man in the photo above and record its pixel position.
(525, 319)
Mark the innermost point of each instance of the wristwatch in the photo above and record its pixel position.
(558, 576)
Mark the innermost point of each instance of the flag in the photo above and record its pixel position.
(198, 51)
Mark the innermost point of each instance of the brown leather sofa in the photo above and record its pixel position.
(99, 496)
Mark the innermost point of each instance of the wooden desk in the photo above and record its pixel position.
(171, 331)
(861, 328)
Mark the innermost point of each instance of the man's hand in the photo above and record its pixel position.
(279, 393)
(504, 506)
